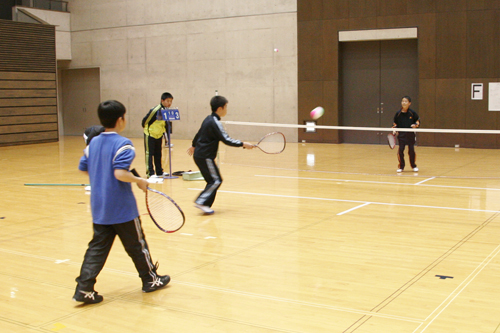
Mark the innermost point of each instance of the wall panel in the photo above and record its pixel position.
(421, 6)
(451, 53)
(458, 44)
(28, 96)
(450, 111)
(482, 49)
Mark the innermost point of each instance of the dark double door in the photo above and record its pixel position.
(375, 75)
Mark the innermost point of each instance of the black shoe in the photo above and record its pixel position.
(87, 297)
(158, 282)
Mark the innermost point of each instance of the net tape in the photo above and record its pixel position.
(375, 129)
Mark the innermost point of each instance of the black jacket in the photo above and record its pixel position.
(206, 141)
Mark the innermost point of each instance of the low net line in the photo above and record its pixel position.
(373, 129)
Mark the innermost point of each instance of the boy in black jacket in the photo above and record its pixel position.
(204, 151)
(406, 118)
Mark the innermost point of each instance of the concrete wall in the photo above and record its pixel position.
(247, 50)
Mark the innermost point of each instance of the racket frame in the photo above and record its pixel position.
(390, 139)
(267, 135)
(173, 202)
(135, 173)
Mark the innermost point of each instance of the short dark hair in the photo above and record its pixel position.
(166, 95)
(407, 97)
(109, 112)
(218, 102)
(91, 132)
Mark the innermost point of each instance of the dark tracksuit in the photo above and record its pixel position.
(405, 120)
(206, 144)
(154, 128)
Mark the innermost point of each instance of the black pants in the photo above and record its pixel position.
(134, 242)
(152, 147)
(406, 139)
(212, 176)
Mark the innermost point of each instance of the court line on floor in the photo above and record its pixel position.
(302, 303)
(350, 210)
(386, 183)
(424, 272)
(236, 292)
(353, 201)
(458, 290)
(425, 180)
(355, 173)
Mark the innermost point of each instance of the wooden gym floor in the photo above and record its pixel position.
(322, 238)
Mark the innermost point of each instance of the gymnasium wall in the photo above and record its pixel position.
(247, 50)
(458, 44)
(28, 106)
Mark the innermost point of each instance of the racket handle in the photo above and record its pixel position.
(135, 173)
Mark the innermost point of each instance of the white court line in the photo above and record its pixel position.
(354, 201)
(460, 288)
(387, 183)
(392, 174)
(423, 181)
(303, 303)
(242, 293)
(61, 261)
(350, 210)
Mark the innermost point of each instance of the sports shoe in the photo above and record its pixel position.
(206, 210)
(155, 179)
(87, 297)
(399, 170)
(158, 282)
(415, 169)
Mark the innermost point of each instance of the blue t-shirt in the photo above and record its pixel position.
(112, 201)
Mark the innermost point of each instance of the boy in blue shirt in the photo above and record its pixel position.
(107, 160)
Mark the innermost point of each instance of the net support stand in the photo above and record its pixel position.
(167, 142)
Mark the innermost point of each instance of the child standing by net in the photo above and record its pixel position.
(204, 151)
(406, 118)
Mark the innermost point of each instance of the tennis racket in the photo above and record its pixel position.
(272, 143)
(164, 212)
(391, 140)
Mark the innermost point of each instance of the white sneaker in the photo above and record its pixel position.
(155, 180)
(415, 169)
(399, 170)
(207, 210)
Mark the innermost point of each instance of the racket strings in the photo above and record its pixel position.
(164, 212)
(273, 143)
